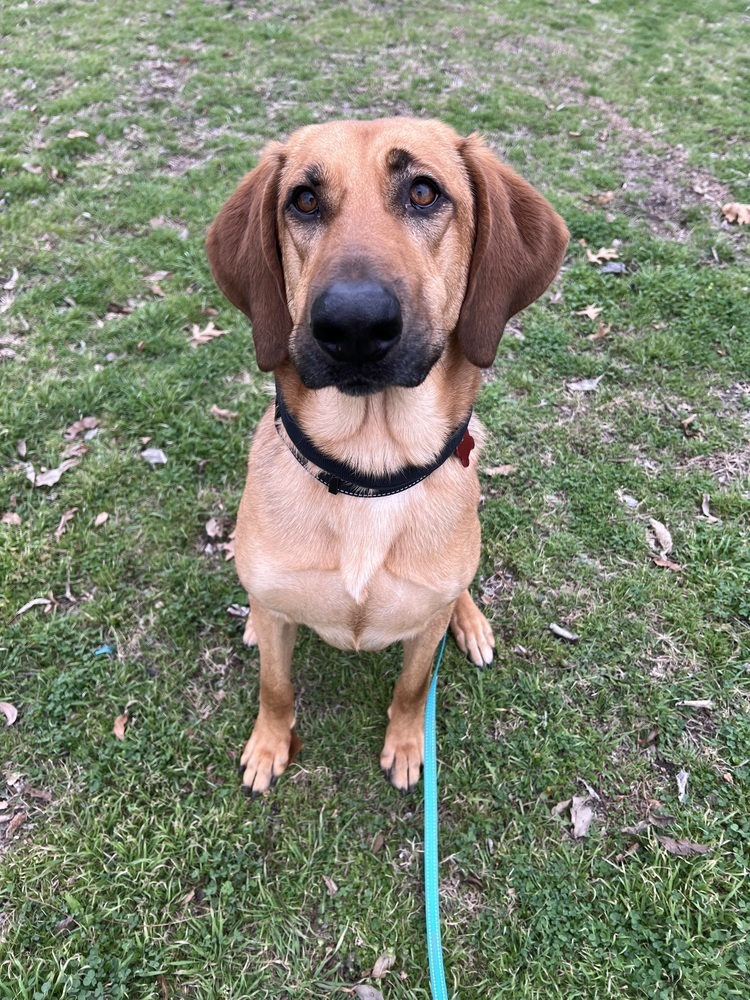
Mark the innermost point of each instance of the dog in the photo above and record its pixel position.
(378, 263)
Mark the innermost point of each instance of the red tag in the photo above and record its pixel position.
(464, 448)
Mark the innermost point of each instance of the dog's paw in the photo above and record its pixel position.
(472, 631)
(249, 637)
(402, 756)
(265, 757)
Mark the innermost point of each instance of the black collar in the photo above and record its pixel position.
(342, 478)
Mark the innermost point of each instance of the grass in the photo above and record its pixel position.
(139, 871)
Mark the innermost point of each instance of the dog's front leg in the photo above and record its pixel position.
(402, 754)
(266, 753)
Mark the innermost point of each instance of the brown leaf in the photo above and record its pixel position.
(12, 281)
(120, 723)
(601, 331)
(604, 198)
(53, 476)
(21, 448)
(77, 133)
(500, 470)
(733, 211)
(114, 308)
(378, 843)
(15, 824)
(383, 964)
(682, 848)
(76, 449)
(687, 429)
(33, 168)
(84, 424)
(330, 885)
(209, 332)
(635, 846)
(698, 703)
(666, 563)
(226, 416)
(156, 290)
(9, 711)
(63, 525)
(100, 519)
(591, 311)
(37, 793)
(581, 815)
(11, 518)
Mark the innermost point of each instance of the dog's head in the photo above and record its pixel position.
(358, 249)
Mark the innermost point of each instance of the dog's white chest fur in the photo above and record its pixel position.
(366, 540)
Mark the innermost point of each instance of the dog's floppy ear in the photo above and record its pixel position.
(519, 245)
(245, 261)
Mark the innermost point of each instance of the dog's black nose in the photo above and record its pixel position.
(356, 321)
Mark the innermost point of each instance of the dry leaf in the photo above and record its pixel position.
(76, 449)
(585, 384)
(21, 448)
(687, 428)
(65, 925)
(682, 848)
(15, 824)
(199, 336)
(80, 426)
(381, 967)
(635, 846)
(601, 331)
(226, 416)
(581, 814)
(31, 604)
(563, 633)
(215, 527)
(33, 168)
(157, 276)
(666, 563)
(100, 519)
(378, 843)
(120, 723)
(11, 518)
(10, 284)
(662, 536)
(591, 311)
(77, 133)
(53, 476)
(604, 198)
(500, 470)
(365, 992)
(238, 610)
(699, 703)
(37, 793)
(9, 711)
(561, 807)
(682, 778)
(63, 525)
(733, 211)
(155, 456)
(603, 253)
(330, 885)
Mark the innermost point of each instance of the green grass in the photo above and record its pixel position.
(171, 883)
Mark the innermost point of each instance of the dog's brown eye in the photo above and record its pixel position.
(305, 201)
(423, 194)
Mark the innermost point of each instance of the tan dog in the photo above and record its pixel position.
(378, 262)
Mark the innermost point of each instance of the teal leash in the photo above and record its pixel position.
(431, 892)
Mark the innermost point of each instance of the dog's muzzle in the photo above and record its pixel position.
(356, 322)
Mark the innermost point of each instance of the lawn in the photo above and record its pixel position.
(134, 868)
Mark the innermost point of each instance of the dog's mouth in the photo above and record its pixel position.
(358, 340)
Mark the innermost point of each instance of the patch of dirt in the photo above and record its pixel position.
(661, 182)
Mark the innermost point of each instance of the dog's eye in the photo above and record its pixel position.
(423, 193)
(305, 201)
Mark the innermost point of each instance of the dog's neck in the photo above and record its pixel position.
(388, 430)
